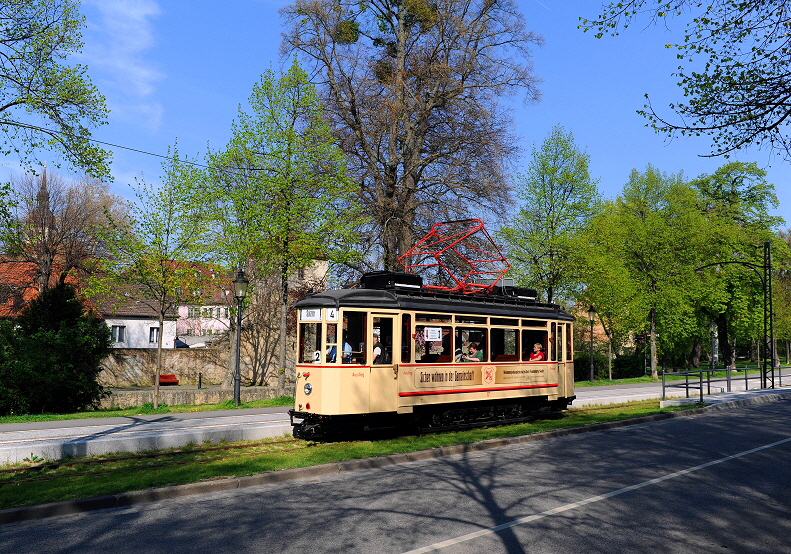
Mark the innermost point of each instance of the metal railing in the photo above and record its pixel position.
(698, 381)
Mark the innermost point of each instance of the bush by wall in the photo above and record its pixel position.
(49, 356)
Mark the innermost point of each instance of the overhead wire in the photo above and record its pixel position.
(55, 132)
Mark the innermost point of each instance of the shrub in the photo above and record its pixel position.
(628, 365)
(582, 366)
(49, 358)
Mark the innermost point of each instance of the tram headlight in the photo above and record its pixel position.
(308, 388)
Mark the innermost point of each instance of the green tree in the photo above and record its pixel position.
(736, 200)
(412, 91)
(50, 356)
(650, 239)
(43, 102)
(156, 251)
(782, 295)
(558, 200)
(54, 224)
(738, 85)
(282, 194)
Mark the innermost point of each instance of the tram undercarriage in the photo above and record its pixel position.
(429, 419)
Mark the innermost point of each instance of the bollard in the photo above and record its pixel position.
(200, 379)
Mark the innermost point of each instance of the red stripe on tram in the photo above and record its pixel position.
(456, 391)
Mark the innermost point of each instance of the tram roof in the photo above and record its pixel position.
(422, 300)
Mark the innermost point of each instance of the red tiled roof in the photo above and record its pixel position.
(18, 285)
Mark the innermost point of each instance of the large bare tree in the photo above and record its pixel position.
(412, 89)
(54, 225)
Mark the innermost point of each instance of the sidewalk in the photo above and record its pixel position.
(54, 440)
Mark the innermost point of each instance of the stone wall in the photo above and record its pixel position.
(173, 396)
(136, 367)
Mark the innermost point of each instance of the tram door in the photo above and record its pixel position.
(565, 355)
(384, 380)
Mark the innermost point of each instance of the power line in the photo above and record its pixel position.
(53, 132)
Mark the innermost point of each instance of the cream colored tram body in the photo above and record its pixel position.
(395, 353)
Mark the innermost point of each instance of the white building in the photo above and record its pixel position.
(136, 325)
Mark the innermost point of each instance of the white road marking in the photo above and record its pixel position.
(591, 500)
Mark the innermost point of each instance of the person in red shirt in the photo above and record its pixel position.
(537, 355)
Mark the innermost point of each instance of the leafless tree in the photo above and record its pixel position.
(54, 225)
(412, 88)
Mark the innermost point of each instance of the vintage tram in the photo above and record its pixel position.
(392, 352)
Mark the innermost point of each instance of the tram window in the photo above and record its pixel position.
(505, 345)
(532, 323)
(353, 351)
(467, 335)
(433, 318)
(331, 348)
(504, 321)
(406, 338)
(310, 343)
(532, 337)
(470, 319)
(433, 344)
(382, 340)
(569, 343)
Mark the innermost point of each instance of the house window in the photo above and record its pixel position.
(153, 334)
(225, 312)
(119, 333)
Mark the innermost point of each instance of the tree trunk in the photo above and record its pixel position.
(159, 361)
(609, 359)
(281, 369)
(727, 352)
(227, 383)
(694, 357)
(654, 371)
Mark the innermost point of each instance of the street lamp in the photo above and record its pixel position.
(591, 315)
(239, 292)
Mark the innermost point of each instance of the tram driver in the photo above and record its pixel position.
(346, 353)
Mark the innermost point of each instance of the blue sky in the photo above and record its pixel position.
(178, 70)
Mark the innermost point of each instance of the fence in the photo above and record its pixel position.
(698, 384)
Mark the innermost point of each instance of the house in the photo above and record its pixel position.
(135, 324)
(204, 321)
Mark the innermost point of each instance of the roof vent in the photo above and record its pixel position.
(390, 280)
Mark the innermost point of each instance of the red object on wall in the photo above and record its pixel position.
(460, 256)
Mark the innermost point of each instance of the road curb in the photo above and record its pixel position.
(41, 511)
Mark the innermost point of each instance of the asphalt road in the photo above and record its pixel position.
(715, 482)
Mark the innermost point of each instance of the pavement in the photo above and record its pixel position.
(54, 440)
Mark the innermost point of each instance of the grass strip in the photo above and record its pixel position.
(148, 409)
(39, 484)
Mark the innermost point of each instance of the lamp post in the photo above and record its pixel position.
(239, 292)
(591, 315)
